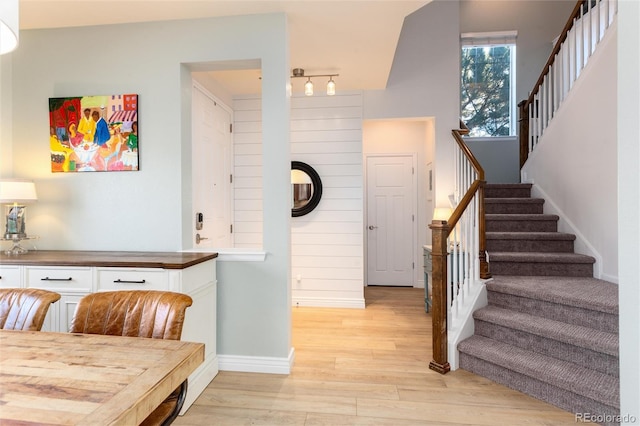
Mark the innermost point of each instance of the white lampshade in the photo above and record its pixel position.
(331, 87)
(9, 30)
(442, 213)
(308, 88)
(17, 191)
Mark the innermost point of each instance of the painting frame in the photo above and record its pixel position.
(97, 133)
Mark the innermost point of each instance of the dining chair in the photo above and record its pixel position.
(25, 308)
(137, 313)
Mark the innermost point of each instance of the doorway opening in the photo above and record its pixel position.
(398, 199)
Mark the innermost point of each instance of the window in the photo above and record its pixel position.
(487, 86)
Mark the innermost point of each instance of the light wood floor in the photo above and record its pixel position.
(366, 367)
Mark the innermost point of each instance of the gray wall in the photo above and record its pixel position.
(424, 82)
(499, 157)
(147, 210)
(537, 22)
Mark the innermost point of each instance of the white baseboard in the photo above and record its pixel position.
(198, 381)
(257, 364)
(318, 302)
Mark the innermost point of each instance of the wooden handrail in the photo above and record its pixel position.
(563, 36)
(457, 135)
(524, 105)
(440, 230)
(462, 205)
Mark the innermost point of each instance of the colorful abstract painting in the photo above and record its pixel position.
(94, 133)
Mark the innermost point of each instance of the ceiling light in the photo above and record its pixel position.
(8, 25)
(331, 87)
(308, 86)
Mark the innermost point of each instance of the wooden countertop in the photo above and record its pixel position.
(125, 259)
(89, 379)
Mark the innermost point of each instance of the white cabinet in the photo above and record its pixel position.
(110, 279)
(10, 276)
(198, 280)
(71, 282)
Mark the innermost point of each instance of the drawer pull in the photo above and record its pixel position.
(55, 279)
(129, 282)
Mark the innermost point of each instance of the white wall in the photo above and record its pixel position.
(628, 123)
(146, 210)
(6, 126)
(574, 167)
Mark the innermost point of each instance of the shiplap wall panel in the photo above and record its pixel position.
(326, 135)
(339, 147)
(247, 172)
(327, 244)
(333, 238)
(336, 261)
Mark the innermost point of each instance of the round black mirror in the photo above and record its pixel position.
(306, 188)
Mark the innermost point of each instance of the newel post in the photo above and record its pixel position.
(439, 233)
(482, 255)
(523, 107)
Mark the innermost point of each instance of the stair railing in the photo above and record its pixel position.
(583, 31)
(458, 250)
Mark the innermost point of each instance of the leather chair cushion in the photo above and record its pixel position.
(154, 314)
(25, 308)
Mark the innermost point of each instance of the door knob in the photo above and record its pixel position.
(371, 227)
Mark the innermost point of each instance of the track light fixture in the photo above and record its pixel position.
(308, 86)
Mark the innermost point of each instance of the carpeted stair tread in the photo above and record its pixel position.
(507, 190)
(561, 374)
(576, 335)
(540, 257)
(545, 236)
(508, 185)
(514, 200)
(514, 205)
(583, 292)
(521, 216)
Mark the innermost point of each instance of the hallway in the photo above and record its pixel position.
(366, 367)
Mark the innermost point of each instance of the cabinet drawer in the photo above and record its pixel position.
(10, 276)
(59, 279)
(132, 279)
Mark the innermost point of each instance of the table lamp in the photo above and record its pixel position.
(15, 193)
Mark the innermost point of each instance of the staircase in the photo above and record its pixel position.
(550, 329)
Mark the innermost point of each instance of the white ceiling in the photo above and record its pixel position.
(356, 39)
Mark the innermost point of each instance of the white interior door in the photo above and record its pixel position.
(391, 200)
(211, 175)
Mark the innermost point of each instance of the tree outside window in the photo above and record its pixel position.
(487, 96)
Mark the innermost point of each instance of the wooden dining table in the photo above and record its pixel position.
(88, 379)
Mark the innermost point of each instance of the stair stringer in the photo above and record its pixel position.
(581, 243)
(463, 326)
